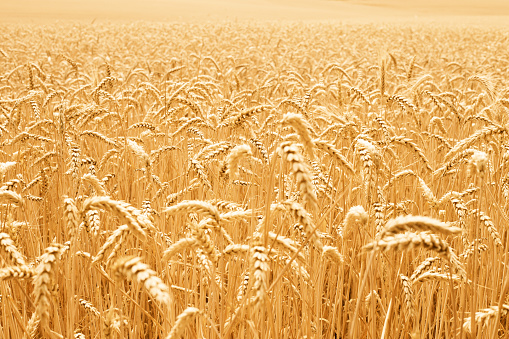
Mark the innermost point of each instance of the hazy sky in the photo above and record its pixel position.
(199, 10)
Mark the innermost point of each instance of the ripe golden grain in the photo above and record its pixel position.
(118, 147)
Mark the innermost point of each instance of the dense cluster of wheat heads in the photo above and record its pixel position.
(253, 181)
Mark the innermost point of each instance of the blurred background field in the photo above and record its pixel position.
(490, 11)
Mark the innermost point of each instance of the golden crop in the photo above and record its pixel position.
(253, 181)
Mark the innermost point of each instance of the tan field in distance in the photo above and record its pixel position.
(254, 169)
(488, 11)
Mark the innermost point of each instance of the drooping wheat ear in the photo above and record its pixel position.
(134, 270)
(212, 151)
(301, 172)
(11, 197)
(111, 153)
(379, 209)
(384, 126)
(408, 240)
(486, 83)
(354, 219)
(194, 184)
(259, 263)
(423, 267)
(461, 211)
(334, 153)
(436, 276)
(239, 215)
(357, 93)
(370, 160)
(261, 148)
(180, 245)
(486, 221)
(93, 181)
(468, 252)
(92, 222)
(204, 241)
(417, 223)
(239, 119)
(87, 305)
(286, 243)
(44, 274)
(200, 171)
(414, 147)
(115, 238)
(233, 159)
(484, 316)
(10, 251)
(197, 206)
(184, 319)
(333, 254)
(235, 249)
(17, 272)
(302, 127)
(398, 176)
(455, 160)
(480, 134)
(138, 151)
(155, 155)
(134, 218)
(427, 193)
(71, 216)
(304, 219)
(409, 297)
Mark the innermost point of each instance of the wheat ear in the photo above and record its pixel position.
(417, 223)
(19, 272)
(7, 247)
(484, 316)
(137, 222)
(198, 206)
(44, 274)
(184, 319)
(134, 270)
(302, 176)
(302, 127)
(408, 240)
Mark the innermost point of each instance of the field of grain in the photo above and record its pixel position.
(243, 180)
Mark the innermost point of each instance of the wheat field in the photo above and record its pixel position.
(253, 180)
